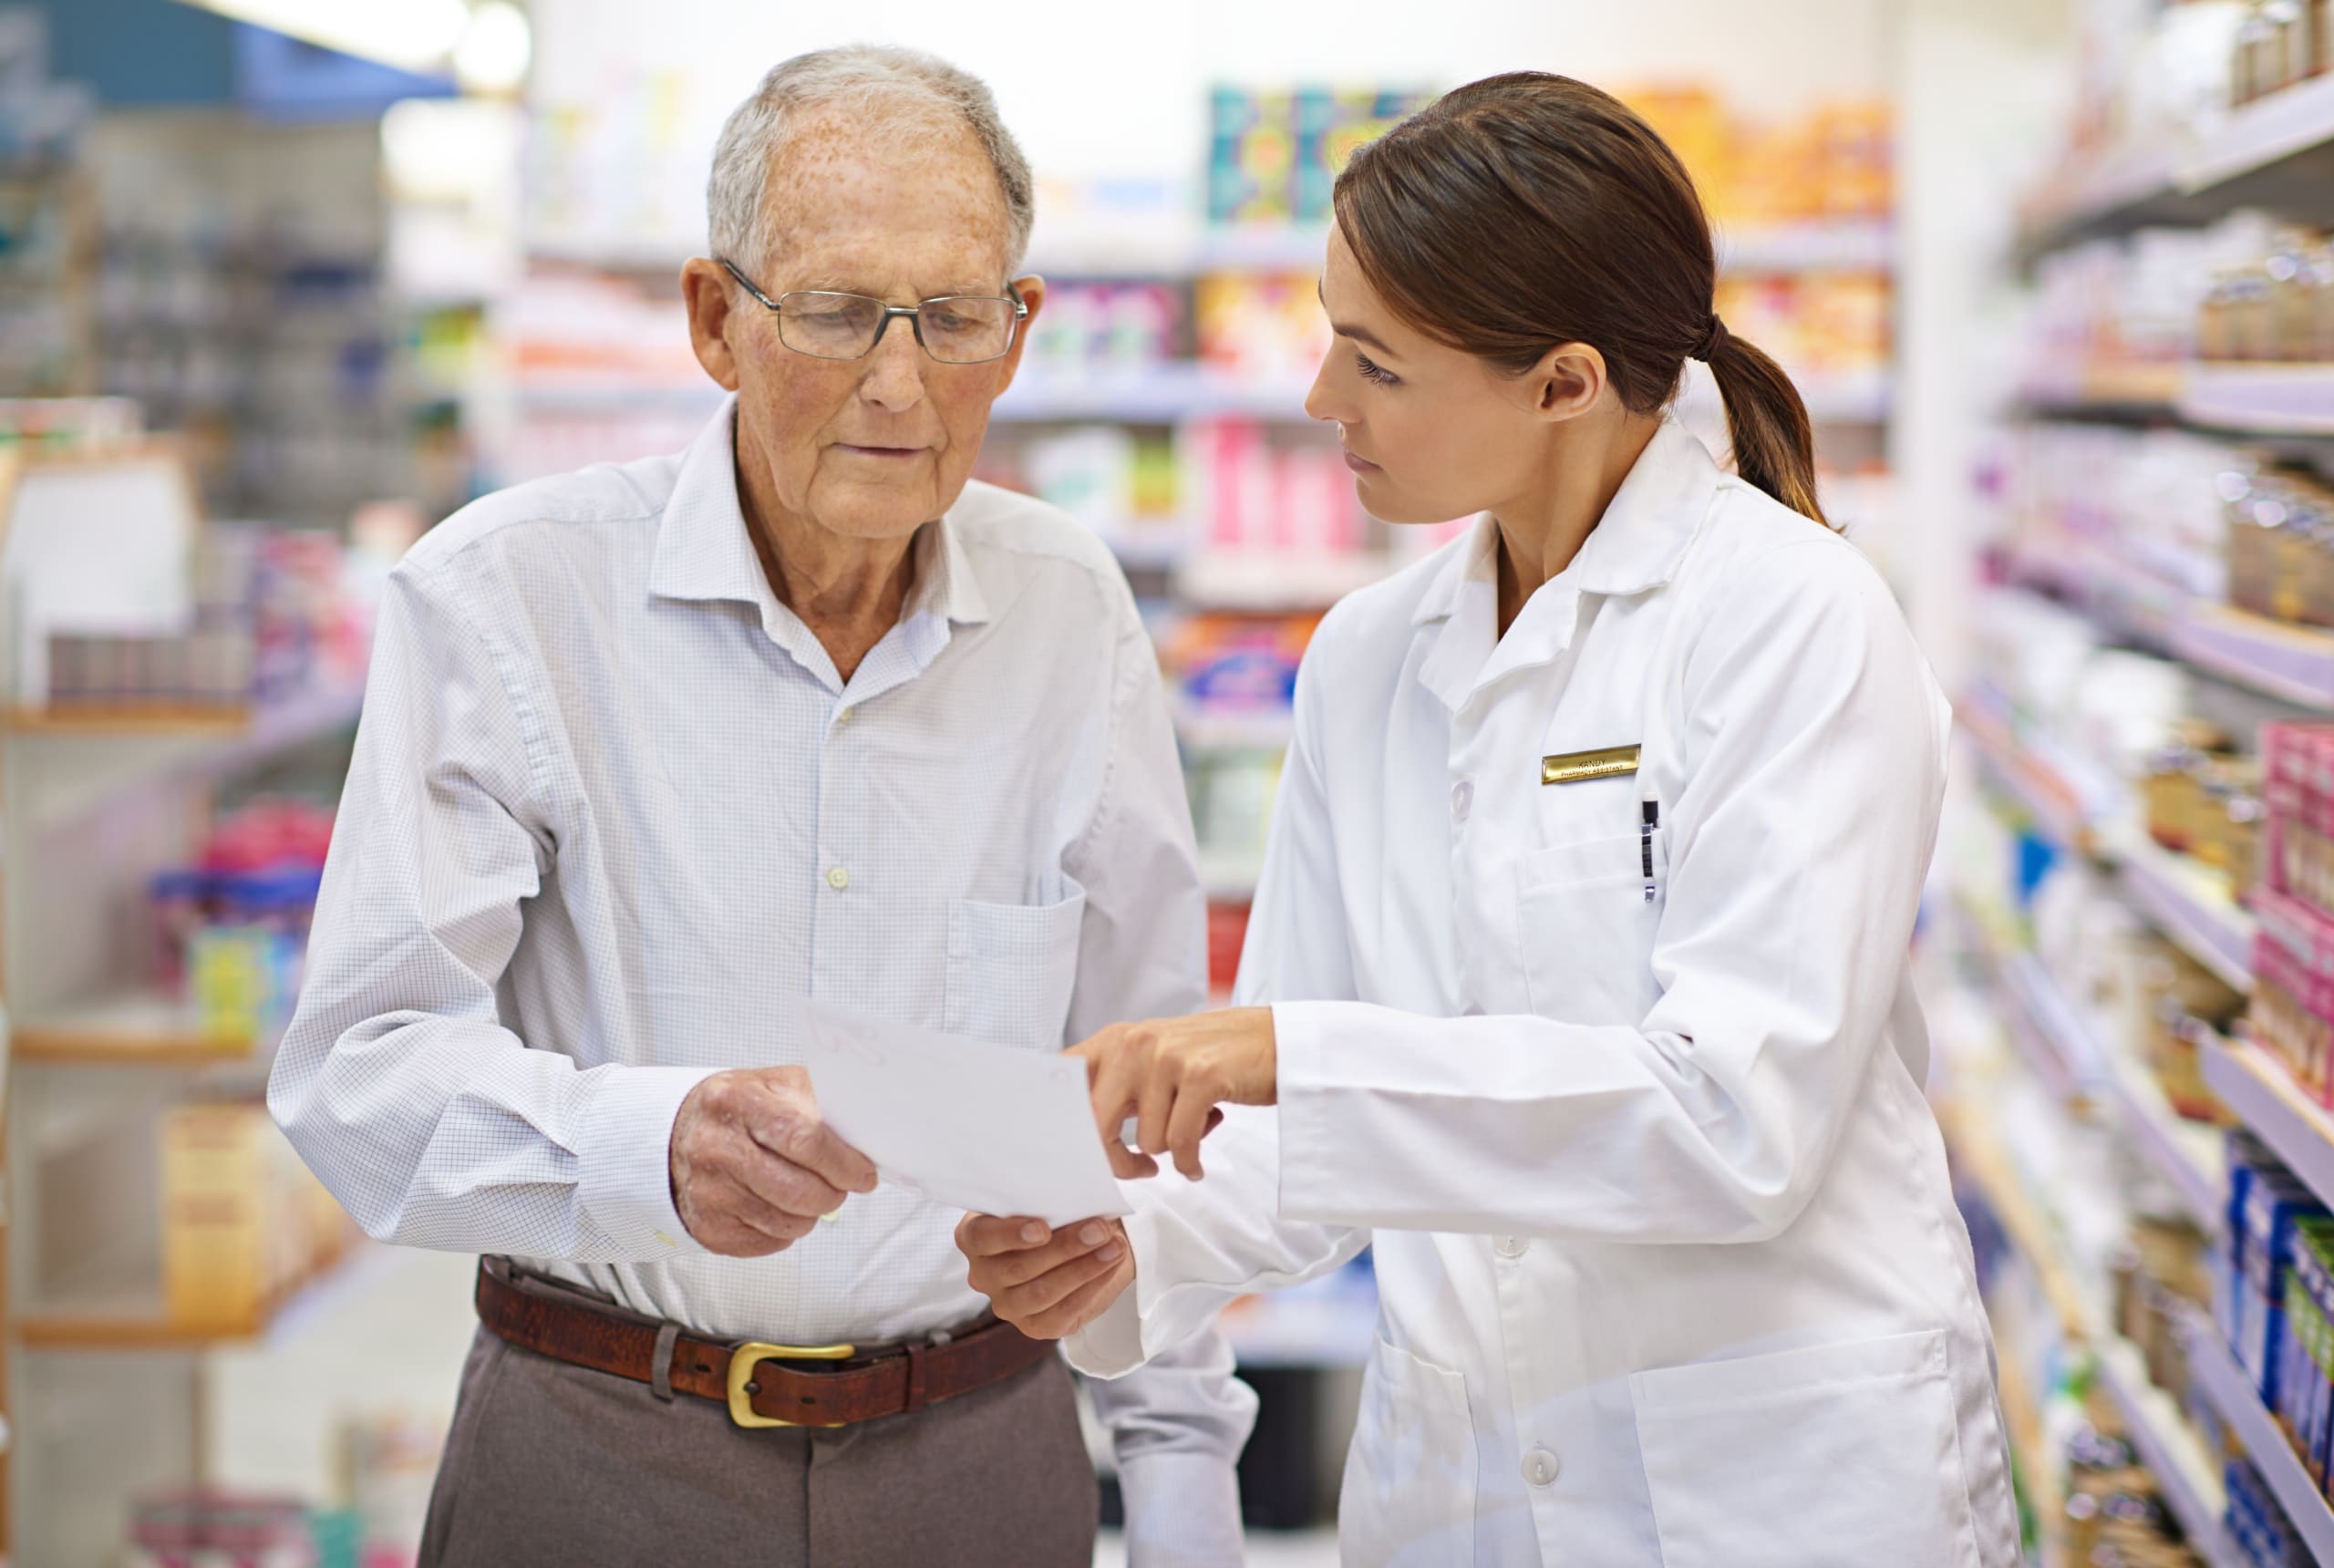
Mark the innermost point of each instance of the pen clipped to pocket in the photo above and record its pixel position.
(1648, 818)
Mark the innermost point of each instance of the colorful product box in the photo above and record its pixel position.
(2275, 1205)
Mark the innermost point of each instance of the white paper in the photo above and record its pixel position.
(993, 1129)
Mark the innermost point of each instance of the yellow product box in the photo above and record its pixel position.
(214, 1231)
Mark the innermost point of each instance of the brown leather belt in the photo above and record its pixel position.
(752, 1378)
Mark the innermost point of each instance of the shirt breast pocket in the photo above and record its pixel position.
(1586, 927)
(1011, 969)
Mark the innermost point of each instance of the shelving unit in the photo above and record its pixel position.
(133, 1029)
(2267, 150)
(2187, 1475)
(2232, 1394)
(143, 1327)
(2255, 1086)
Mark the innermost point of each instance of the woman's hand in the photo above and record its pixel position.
(1169, 1075)
(1048, 1284)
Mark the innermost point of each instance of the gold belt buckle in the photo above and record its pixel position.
(752, 1354)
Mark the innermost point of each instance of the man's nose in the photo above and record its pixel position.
(894, 379)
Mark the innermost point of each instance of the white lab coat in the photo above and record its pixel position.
(1671, 1273)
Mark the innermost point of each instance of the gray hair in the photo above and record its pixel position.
(918, 95)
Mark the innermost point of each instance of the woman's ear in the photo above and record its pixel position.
(1566, 382)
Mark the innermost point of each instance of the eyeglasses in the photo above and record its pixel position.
(957, 329)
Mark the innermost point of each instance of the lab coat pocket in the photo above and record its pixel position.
(1586, 927)
(1409, 1496)
(1011, 969)
(1835, 1455)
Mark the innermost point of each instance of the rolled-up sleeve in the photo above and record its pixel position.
(398, 1081)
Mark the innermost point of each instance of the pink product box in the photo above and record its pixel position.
(2294, 947)
(2297, 772)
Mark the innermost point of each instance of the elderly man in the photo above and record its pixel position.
(652, 750)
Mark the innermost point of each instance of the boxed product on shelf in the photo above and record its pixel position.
(1274, 153)
(2205, 802)
(2304, 1391)
(2298, 858)
(1257, 495)
(1813, 323)
(1114, 326)
(230, 930)
(244, 1221)
(208, 1526)
(2270, 1205)
(2279, 44)
(2277, 306)
(1262, 325)
(2256, 1525)
(1835, 161)
(2113, 1512)
(69, 424)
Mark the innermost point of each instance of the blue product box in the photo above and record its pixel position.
(2273, 1206)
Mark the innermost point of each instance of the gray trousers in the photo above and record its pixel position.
(558, 1465)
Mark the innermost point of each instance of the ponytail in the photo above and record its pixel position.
(1766, 423)
(1529, 210)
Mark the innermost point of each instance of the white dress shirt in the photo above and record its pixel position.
(612, 810)
(1630, 1102)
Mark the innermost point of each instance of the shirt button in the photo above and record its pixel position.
(1511, 1246)
(1462, 796)
(838, 879)
(1540, 1467)
(842, 716)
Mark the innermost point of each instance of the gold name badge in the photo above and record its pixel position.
(1577, 767)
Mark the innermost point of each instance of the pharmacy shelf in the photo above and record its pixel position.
(2061, 1051)
(2188, 1156)
(130, 1029)
(1209, 728)
(2260, 399)
(142, 1325)
(2122, 187)
(2045, 1027)
(2104, 390)
(2271, 152)
(118, 743)
(2293, 663)
(1165, 394)
(2255, 1086)
(1144, 244)
(2233, 1394)
(2037, 788)
(2185, 1474)
(1271, 580)
(1978, 1154)
(2189, 901)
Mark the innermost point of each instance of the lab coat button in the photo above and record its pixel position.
(1462, 796)
(1511, 1246)
(1540, 1467)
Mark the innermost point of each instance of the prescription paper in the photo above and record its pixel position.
(995, 1129)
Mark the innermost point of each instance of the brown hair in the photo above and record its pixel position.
(1528, 210)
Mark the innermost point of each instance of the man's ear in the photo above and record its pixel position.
(707, 291)
(1566, 382)
(1032, 290)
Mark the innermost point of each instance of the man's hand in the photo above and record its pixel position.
(1048, 1284)
(1169, 1075)
(752, 1165)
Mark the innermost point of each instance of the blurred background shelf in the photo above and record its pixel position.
(128, 1030)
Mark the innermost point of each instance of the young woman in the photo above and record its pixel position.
(1578, 969)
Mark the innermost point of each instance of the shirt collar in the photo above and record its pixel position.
(1634, 548)
(705, 553)
(1638, 545)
